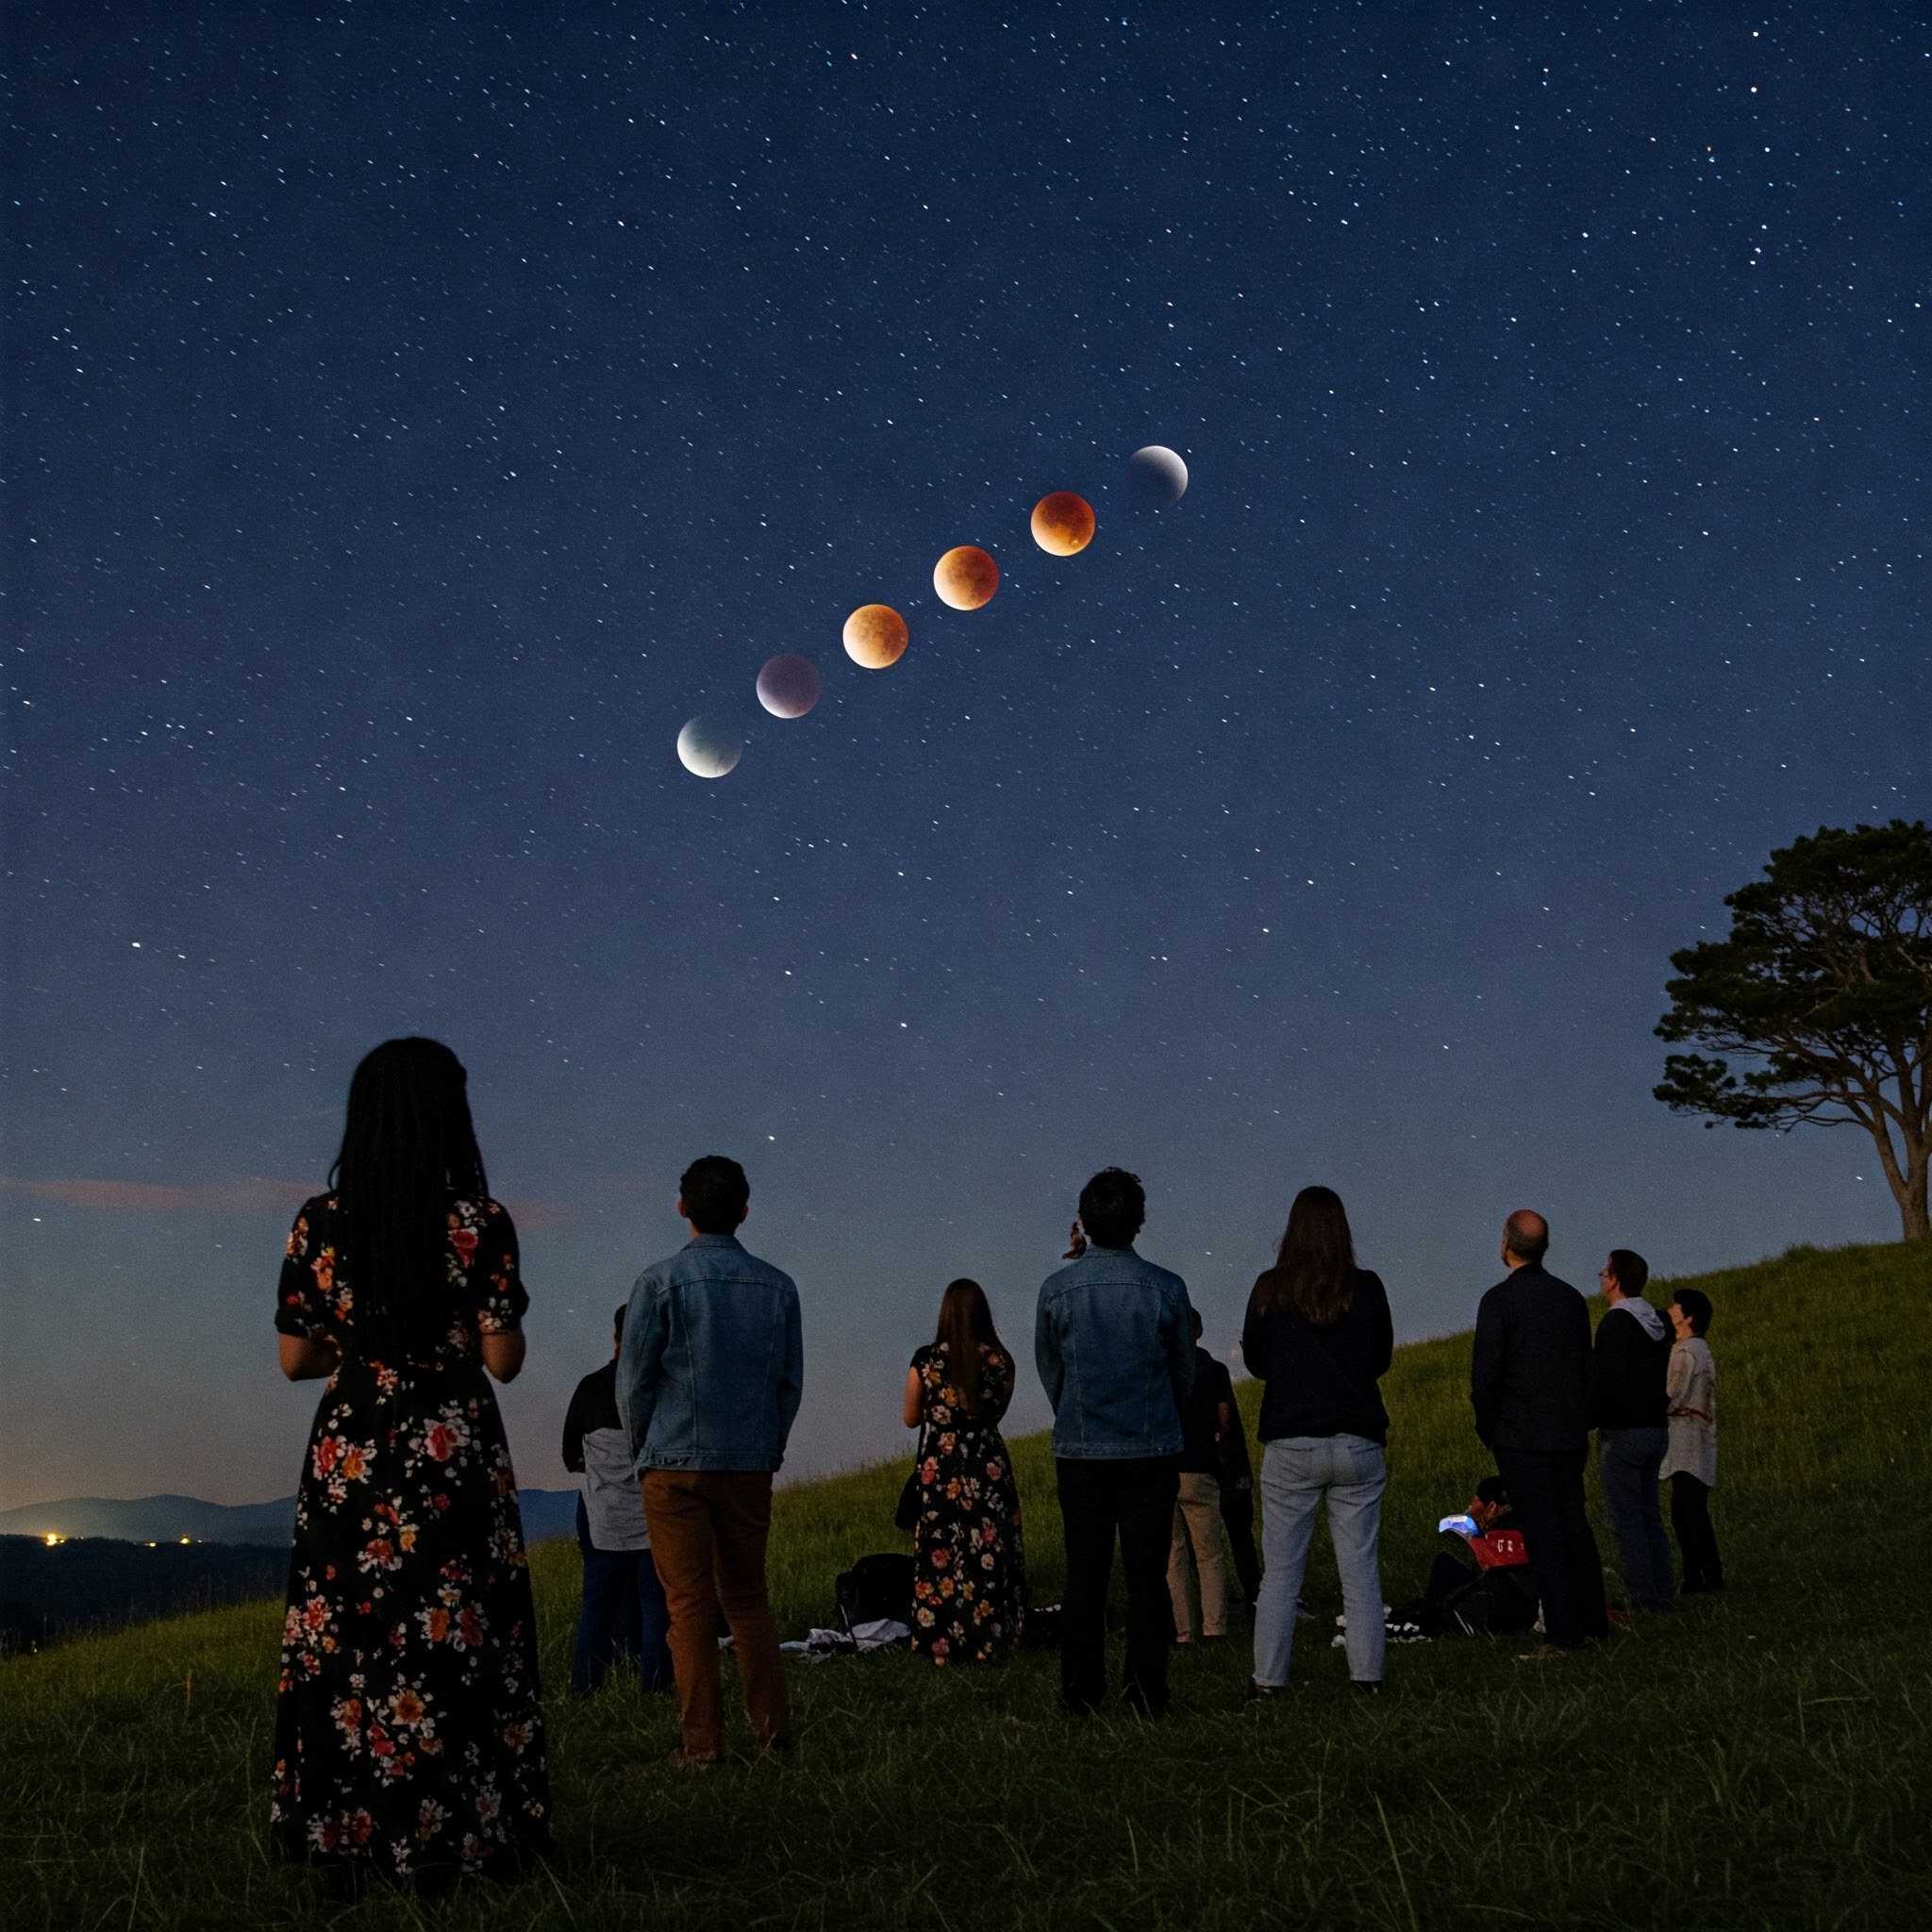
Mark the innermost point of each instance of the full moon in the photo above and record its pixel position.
(1062, 524)
(876, 636)
(788, 685)
(1157, 476)
(965, 577)
(707, 748)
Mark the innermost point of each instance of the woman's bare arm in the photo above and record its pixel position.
(913, 1410)
(306, 1359)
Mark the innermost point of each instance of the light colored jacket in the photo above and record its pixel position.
(1690, 1386)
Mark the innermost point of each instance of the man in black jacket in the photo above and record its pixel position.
(1529, 1385)
(623, 1608)
(1628, 1410)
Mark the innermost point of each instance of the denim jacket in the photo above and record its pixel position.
(712, 1364)
(1114, 1347)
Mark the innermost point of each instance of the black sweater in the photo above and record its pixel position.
(1628, 1367)
(1321, 1381)
(1529, 1374)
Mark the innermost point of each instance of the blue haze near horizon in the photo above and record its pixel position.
(413, 422)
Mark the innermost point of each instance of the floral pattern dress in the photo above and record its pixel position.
(408, 1739)
(968, 1589)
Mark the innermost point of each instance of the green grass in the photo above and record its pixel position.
(1761, 1760)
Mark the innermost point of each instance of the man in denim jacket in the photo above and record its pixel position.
(708, 1380)
(1114, 1347)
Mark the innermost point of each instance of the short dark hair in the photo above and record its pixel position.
(1631, 1270)
(1113, 1207)
(715, 1194)
(1696, 1306)
(1526, 1235)
(1195, 1313)
(617, 1321)
(1492, 1488)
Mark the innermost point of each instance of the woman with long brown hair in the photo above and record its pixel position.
(1318, 1333)
(969, 1591)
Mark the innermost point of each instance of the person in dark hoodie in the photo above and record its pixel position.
(1529, 1386)
(623, 1608)
(1628, 1408)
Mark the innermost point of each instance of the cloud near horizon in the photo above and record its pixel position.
(246, 1194)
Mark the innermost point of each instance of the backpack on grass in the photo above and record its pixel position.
(875, 1589)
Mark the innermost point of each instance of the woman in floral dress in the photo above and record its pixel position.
(409, 1739)
(969, 1591)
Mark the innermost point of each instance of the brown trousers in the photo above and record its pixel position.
(709, 1528)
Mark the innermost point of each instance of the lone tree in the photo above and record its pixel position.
(1822, 998)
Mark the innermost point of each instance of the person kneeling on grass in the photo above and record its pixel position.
(1691, 1464)
(1483, 1585)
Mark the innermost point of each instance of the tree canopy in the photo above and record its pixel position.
(1817, 1009)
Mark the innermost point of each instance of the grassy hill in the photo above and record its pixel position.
(1759, 1760)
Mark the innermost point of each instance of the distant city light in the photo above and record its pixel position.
(52, 1540)
(187, 1538)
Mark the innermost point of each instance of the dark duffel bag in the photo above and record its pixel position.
(875, 1589)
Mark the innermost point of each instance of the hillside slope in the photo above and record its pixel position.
(1761, 1759)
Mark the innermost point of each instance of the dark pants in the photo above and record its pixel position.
(1136, 1496)
(624, 1613)
(1631, 1458)
(1696, 1541)
(1546, 1490)
(1238, 1514)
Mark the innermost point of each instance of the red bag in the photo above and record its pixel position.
(1500, 1549)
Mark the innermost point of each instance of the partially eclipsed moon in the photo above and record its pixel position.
(1157, 475)
(965, 577)
(788, 685)
(709, 749)
(876, 636)
(1062, 524)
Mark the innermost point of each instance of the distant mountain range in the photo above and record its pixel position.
(168, 1518)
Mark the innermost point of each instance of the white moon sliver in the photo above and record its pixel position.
(707, 749)
(1157, 475)
(788, 685)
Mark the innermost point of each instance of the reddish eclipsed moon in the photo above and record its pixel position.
(965, 577)
(876, 636)
(1062, 524)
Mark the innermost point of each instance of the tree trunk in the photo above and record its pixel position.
(1906, 1181)
(1911, 1205)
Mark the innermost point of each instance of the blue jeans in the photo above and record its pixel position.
(624, 1611)
(1631, 1458)
(1298, 1472)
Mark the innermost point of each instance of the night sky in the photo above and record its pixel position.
(414, 416)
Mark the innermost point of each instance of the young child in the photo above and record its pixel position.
(1690, 1463)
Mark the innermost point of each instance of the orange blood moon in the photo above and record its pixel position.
(876, 636)
(1062, 524)
(966, 577)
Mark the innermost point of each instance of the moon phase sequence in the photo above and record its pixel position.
(966, 577)
(1063, 523)
(876, 637)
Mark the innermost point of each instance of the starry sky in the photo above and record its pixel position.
(414, 416)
